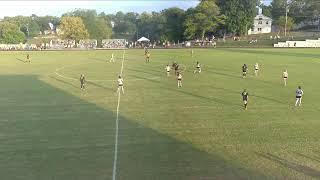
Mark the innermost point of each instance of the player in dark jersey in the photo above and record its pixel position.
(245, 98)
(198, 68)
(82, 82)
(244, 70)
(28, 58)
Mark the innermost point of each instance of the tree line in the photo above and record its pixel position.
(173, 24)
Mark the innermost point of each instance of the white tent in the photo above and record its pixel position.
(143, 39)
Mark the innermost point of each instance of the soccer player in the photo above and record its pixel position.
(120, 85)
(28, 58)
(82, 82)
(168, 68)
(112, 58)
(285, 77)
(146, 50)
(256, 69)
(191, 51)
(148, 57)
(179, 78)
(245, 98)
(299, 94)
(198, 68)
(244, 70)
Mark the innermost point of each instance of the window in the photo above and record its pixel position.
(260, 19)
(260, 22)
(267, 22)
(259, 29)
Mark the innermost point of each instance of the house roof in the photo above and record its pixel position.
(263, 17)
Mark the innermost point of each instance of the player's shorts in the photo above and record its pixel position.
(198, 67)
(285, 77)
(179, 79)
(257, 69)
(168, 71)
(298, 97)
(245, 101)
(120, 85)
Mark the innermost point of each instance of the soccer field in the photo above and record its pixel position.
(51, 130)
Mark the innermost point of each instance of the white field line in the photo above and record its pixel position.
(114, 172)
(92, 80)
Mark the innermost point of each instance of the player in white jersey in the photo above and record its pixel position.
(112, 58)
(256, 69)
(168, 68)
(198, 68)
(299, 94)
(120, 85)
(285, 76)
(179, 78)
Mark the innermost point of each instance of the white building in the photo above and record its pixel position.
(262, 24)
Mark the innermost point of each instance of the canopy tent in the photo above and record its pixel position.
(143, 39)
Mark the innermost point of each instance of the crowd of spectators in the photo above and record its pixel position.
(88, 44)
(114, 43)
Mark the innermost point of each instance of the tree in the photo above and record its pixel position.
(239, 15)
(26, 24)
(202, 19)
(152, 26)
(10, 33)
(43, 22)
(99, 27)
(266, 10)
(73, 28)
(174, 23)
(281, 22)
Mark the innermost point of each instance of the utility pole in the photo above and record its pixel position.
(285, 27)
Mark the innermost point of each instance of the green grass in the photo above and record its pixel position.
(49, 129)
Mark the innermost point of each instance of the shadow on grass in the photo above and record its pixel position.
(21, 60)
(206, 98)
(65, 82)
(291, 165)
(50, 134)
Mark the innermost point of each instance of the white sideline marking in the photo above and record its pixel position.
(114, 172)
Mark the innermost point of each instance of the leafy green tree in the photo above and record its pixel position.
(43, 22)
(204, 18)
(281, 22)
(26, 24)
(151, 25)
(174, 18)
(239, 15)
(10, 33)
(98, 26)
(73, 28)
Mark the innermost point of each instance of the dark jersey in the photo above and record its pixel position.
(82, 79)
(28, 56)
(245, 96)
(244, 68)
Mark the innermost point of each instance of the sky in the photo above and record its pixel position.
(57, 8)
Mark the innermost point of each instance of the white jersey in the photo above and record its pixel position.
(299, 92)
(198, 65)
(256, 66)
(168, 68)
(179, 77)
(120, 81)
(285, 74)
